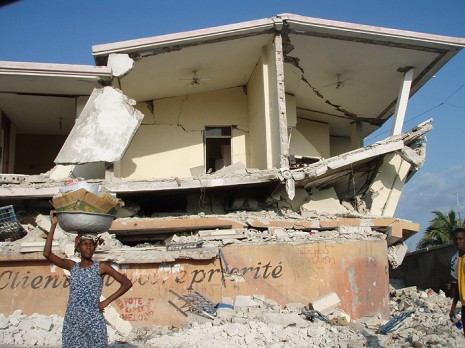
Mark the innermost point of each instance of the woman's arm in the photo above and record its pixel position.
(48, 254)
(125, 284)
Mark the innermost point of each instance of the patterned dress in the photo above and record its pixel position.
(84, 325)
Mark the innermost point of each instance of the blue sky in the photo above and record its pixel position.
(55, 31)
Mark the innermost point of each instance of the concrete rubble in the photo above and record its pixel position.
(205, 242)
(258, 322)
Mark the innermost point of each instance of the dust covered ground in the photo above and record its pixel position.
(418, 319)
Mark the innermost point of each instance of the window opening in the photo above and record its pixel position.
(217, 148)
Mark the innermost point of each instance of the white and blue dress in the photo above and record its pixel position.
(84, 325)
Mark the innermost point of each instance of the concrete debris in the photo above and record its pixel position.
(129, 210)
(37, 330)
(396, 254)
(320, 202)
(113, 318)
(326, 303)
(120, 64)
(267, 324)
(222, 234)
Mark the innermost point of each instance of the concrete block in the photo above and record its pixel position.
(221, 234)
(295, 307)
(316, 331)
(4, 322)
(285, 319)
(245, 301)
(321, 202)
(326, 303)
(233, 329)
(25, 324)
(224, 313)
(32, 337)
(7, 338)
(396, 254)
(43, 322)
(113, 318)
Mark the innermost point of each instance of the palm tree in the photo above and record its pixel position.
(440, 230)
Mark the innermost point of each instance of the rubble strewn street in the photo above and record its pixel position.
(259, 322)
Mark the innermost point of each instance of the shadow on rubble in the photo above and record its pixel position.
(122, 345)
(372, 341)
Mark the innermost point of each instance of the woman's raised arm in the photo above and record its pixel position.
(48, 254)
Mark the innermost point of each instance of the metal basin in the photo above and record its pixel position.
(83, 222)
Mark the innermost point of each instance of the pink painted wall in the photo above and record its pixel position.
(356, 271)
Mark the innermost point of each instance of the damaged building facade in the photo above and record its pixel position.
(238, 152)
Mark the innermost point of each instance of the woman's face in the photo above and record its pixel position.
(87, 248)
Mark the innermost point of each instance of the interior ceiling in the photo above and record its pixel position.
(39, 104)
(347, 78)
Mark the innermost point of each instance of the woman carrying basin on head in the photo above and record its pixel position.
(84, 324)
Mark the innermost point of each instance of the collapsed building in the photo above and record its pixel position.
(239, 154)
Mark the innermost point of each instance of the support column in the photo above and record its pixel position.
(402, 101)
(281, 91)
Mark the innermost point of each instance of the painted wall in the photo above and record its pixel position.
(339, 145)
(307, 138)
(356, 271)
(257, 109)
(310, 139)
(169, 141)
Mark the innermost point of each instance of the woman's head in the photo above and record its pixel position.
(87, 242)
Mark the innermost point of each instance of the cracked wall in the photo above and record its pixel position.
(170, 140)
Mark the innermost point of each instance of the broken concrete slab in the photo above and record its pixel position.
(326, 303)
(322, 202)
(222, 234)
(120, 64)
(108, 115)
(396, 254)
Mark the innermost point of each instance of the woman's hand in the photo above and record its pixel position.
(53, 217)
(101, 306)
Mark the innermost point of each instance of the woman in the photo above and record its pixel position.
(84, 324)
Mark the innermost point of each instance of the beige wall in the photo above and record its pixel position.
(339, 145)
(263, 95)
(310, 139)
(257, 112)
(169, 141)
(291, 111)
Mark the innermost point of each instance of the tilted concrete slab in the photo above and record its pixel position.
(103, 130)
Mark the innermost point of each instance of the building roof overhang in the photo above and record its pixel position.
(338, 72)
(35, 95)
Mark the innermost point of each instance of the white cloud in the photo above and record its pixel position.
(429, 191)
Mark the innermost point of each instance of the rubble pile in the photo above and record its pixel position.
(267, 325)
(205, 242)
(37, 330)
(260, 322)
